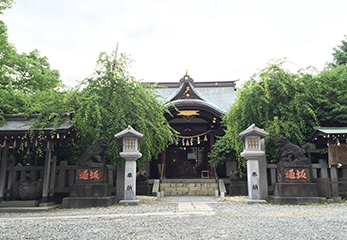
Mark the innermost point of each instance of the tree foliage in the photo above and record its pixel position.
(5, 4)
(110, 100)
(327, 93)
(27, 83)
(275, 100)
(340, 53)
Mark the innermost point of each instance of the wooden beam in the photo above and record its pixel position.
(47, 172)
(11, 176)
(52, 181)
(3, 172)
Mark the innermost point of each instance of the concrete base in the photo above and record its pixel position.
(46, 204)
(238, 188)
(142, 188)
(91, 190)
(296, 190)
(87, 202)
(295, 200)
(28, 203)
(249, 201)
(26, 209)
(129, 202)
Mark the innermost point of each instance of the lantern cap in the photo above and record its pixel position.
(130, 132)
(252, 131)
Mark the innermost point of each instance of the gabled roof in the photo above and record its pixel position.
(130, 132)
(219, 96)
(17, 126)
(252, 131)
(328, 132)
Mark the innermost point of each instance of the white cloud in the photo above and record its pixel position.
(214, 40)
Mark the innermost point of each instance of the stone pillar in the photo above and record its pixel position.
(264, 191)
(253, 179)
(335, 179)
(120, 180)
(130, 180)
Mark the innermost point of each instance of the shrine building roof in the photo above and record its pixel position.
(218, 95)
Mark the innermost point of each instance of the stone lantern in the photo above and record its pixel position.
(254, 152)
(130, 153)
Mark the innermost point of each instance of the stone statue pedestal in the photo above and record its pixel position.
(295, 186)
(91, 188)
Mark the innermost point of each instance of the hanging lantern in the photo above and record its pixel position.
(187, 144)
(191, 141)
(205, 138)
(198, 140)
(183, 141)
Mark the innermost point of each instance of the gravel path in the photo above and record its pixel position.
(158, 220)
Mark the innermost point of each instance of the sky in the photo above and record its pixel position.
(213, 40)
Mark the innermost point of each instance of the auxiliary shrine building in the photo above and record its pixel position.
(196, 110)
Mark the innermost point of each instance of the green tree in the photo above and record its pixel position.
(275, 100)
(327, 93)
(25, 79)
(340, 53)
(4, 4)
(110, 100)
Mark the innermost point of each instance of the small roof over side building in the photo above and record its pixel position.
(18, 126)
(327, 132)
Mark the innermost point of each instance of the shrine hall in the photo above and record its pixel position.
(196, 112)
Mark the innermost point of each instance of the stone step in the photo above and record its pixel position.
(192, 180)
(179, 187)
(190, 193)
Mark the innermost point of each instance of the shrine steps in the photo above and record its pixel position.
(188, 187)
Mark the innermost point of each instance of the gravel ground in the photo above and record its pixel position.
(157, 220)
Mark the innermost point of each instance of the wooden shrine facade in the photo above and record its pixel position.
(17, 133)
(196, 109)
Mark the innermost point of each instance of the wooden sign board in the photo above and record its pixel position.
(337, 154)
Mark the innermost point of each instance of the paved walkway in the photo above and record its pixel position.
(192, 203)
(204, 199)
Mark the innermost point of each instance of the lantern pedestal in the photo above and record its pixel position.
(254, 186)
(130, 153)
(130, 178)
(254, 152)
